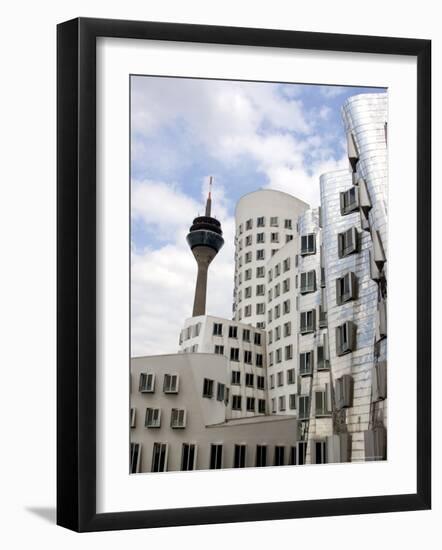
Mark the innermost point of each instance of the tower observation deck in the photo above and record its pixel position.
(205, 240)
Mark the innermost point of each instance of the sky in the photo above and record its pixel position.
(247, 135)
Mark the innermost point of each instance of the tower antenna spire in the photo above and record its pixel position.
(209, 198)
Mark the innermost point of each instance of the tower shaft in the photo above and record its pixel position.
(203, 255)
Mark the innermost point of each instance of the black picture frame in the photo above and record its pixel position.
(76, 273)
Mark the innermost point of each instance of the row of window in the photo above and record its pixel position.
(276, 271)
(277, 355)
(234, 355)
(276, 312)
(152, 418)
(259, 255)
(279, 404)
(190, 332)
(247, 334)
(222, 394)
(147, 383)
(260, 309)
(290, 378)
(251, 404)
(260, 239)
(261, 222)
(260, 273)
(249, 380)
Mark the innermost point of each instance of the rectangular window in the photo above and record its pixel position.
(280, 378)
(249, 224)
(260, 289)
(217, 329)
(379, 381)
(308, 321)
(274, 221)
(321, 405)
(286, 285)
(322, 362)
(250, 403)
(260, 238)
(292, 401)
(257, 338)
(320, 456)
(287, 328)
(346, 288)
(246, 335)
(282, 403)
(248, 292)
(133, 414)
(274, 237)
(278, 332)
(234, 354)
(269, 315)
(303, 407)
(159, 457)
(152, 418)
(247, 274)
(262, 406)
(344, 392)
(272, 381)
(308, 281)
(322, 321)
(207, 388)
(178, 418)
(236, 377)
(261, 455)
(279, 455)
(348, 242)
(349, 201)
(260, 272)
(249, 380)
(248, 240)
(135, 458)
(270, 358)
(288, 238)
(306, 363)
(236, 402)
(287, 224)
(258, 360)
(286, 307)
(301, 452)
(247, 357)
(273, 404)
(286, 264)
(290, 376)
(247, 311)
(308, 244)
(216, 456)
(260, 382)
(147, 383)
(188, 457)
(233, 332)
(248, 257)
(277, 270)
(170, 383)
(277, 290)
(279, 355)
(288, 350)
(277, 311)
(260, 222)
(220, 391)
(219, 350)
(239, 456)
(260, 254)
(345, 338)
(292, 456)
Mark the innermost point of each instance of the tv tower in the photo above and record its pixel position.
(205, 240)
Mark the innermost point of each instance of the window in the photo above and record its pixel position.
(248, 292)
(344, 392)
(301, 452)
(277, 270)
(321, 404)
(349, 201)
(286, 285)
(288, 238)
(188, 457)
(247, 274)
(286, 265)
(345, 338)
(279, 456)
(290, 376)
(260, 254)
(262, 406)
(217, 329)
(261, 455)
(257, 338)
(278, 332)
(303, 407)
(348, 242)
(282, 403)
(248, 311)
(292, 401)
(280, 378)
(239, 456)
(260, 289)
(270, 358)
(260, 272)
(308, 281)
(234, 354)
(207, 388)
(152, 418)
(270, 276)
(170, 383)
(308, 244)
(272, 381)
(288, 350)
(277, 311)
(240, 261)
(287, 224)
(273, 404)
(250, 403)
(196, 329)
(147, 383)
(248, 257)
(258, 360)
(306, 363)
(260, 222)
(233, 332)
(292, 456)
(322, 362)
(270, 337)
(260, 238)
(322, 321)
(308, 321)
(260, 382)
(178, 418)
(277, 290)
(216, 456)
(220, 391)
(248, 240)
(219, 350)
(133, 414)
(246, 335)
(274, 221)
(249, 224)
(159, 457)
(279, 355)
(261, 325)
(287, 328)
(249, 380)
(375, 443)
(269, 315)
(346, 288)
(236, 377)
(319, 452)
(379, 381)
(286, 306)
(269, 295)
(274, 237)
(236, 402)
(135, 458)
(240, 228)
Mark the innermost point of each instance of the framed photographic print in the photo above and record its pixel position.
(244, 243)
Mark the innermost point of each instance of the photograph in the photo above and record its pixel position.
(258, 274)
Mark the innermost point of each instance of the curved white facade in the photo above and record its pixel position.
(265, 221)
